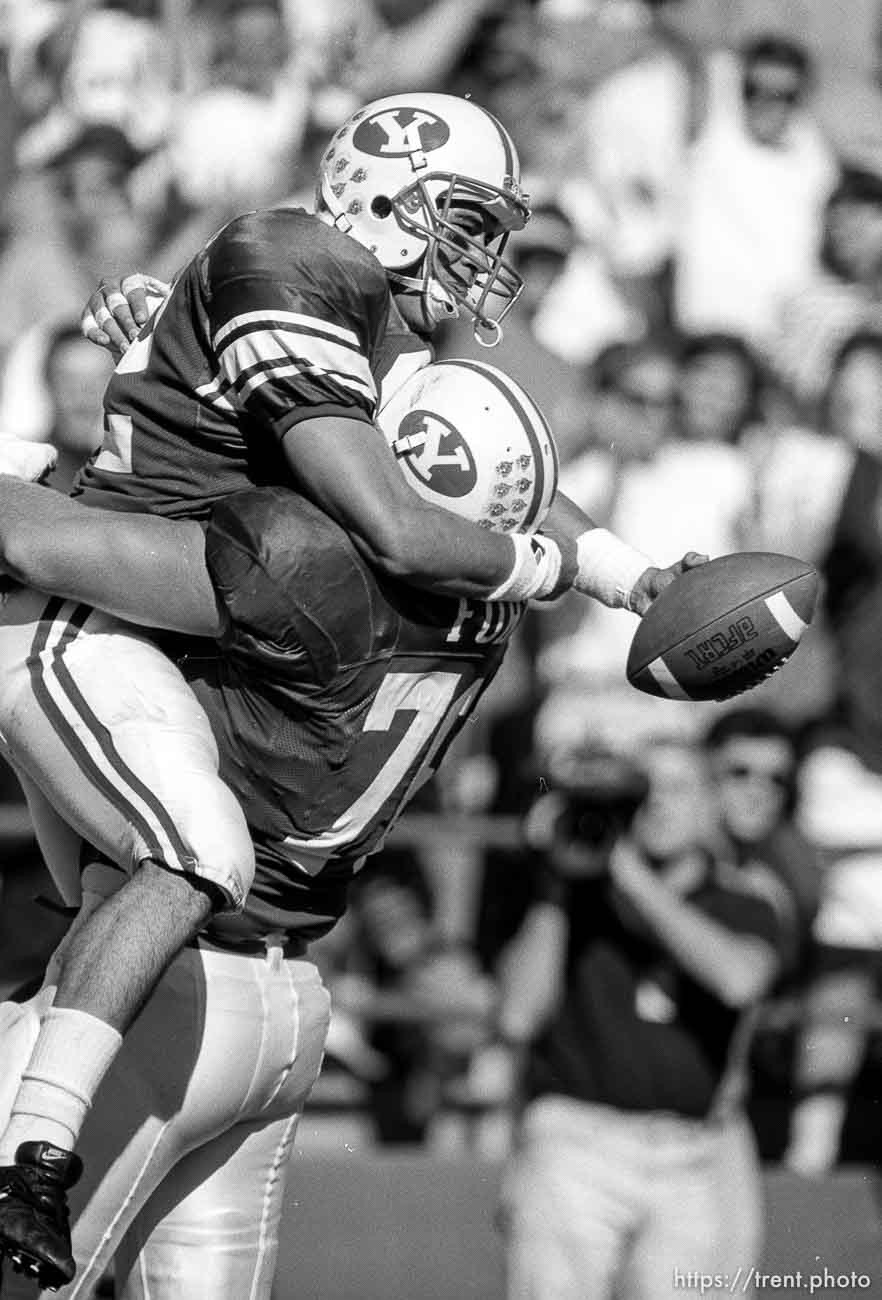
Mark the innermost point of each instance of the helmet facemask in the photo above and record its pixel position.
(465, 230)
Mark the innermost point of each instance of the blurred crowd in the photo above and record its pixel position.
(702, 325)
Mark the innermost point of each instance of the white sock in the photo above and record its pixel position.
(70, 1058)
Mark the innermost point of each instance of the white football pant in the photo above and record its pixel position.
(187, 1145)
(109, 731)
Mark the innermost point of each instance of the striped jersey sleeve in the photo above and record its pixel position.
(297, 314)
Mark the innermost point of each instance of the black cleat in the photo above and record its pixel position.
(34, 1221)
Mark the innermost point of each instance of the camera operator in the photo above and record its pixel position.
(630, 992)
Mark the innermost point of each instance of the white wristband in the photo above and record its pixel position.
(535, 571)
(523, 571)
(608, 568)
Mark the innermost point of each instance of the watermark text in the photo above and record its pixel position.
(744, 1280)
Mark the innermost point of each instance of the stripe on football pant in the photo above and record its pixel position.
(785, 615)
(62, 702)
(665, 680)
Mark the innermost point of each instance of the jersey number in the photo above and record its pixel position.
(429, 697)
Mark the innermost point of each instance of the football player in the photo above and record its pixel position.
(265, 363)
(332, 692)
(275, 347)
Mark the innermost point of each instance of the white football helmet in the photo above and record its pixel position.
(431, 185)
(469, 439)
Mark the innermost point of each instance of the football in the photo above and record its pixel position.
(723, 627)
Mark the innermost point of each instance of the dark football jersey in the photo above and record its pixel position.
(279, 319)
(334, 695)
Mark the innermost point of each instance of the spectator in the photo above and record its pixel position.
(836, 1116)
(101, 66)
(754, 774)
(800, 511)
(435, 37)
(363, 49)
(631, 400)
(630, 986)
(393, 908)
(843, 294)
(424, 1004)
(836, 492)
(52, 386)
(234, 142)
(651, 484)
(666, 480)
(842, 771)
(852, 247)
(719, 390)
(101, 208)
(757, 179)
(75, 381)
(615, 161)
(93, 175)
(853, 565)
(73, 224)
(631, 404)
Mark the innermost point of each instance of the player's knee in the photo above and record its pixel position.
(217, 836)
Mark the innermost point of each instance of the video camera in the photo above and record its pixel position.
(592, 798)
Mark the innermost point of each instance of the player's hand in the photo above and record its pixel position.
(117, 309)
(26, 460)
(652, 581)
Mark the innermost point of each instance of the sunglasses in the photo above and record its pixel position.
(755, 92)
(647, 401)
(746, 772)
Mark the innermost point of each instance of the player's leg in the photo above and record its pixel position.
(106, 726)
(20, 1021)
(105, 723)
(19, 1027)
(186, 1149)
(60, 845)
(108, 970)
(212, 1228)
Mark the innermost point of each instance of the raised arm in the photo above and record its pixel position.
(738, 966)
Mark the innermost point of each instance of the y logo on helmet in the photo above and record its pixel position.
(440, 459)
(398, 132)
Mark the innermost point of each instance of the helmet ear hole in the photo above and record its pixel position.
(381, 206)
